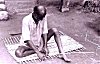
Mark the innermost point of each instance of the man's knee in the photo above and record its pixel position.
(54, 30)
(18, 53)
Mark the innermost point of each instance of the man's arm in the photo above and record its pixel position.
(45, 31)
(31, 44)
(45, 49)
(45, 40)
(44, 37)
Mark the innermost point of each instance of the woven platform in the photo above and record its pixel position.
(69, 45)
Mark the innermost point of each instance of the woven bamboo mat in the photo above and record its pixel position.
(69, 45)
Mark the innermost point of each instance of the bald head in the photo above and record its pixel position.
(40, 11)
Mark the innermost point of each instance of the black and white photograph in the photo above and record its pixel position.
(49, 31)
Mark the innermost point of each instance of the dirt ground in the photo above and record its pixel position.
(73, 23)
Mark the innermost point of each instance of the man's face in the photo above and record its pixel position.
(41, 12)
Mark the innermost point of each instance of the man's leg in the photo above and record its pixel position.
(61, 4)
(23, 51)
(55, 32)
(43, 46)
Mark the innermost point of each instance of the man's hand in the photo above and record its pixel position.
(41, 56)
(45, 51)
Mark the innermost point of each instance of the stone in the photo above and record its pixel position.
(2, 1)
(3, 15)
(3, 7)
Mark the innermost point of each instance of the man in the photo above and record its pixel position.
(63, 6)
(35, 35)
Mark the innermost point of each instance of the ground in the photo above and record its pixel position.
(73, 23)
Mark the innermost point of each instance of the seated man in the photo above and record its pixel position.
(35, 35)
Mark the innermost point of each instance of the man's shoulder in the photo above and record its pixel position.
(27, 18)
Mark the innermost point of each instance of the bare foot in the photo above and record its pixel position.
(64, 57)
(64, 9)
